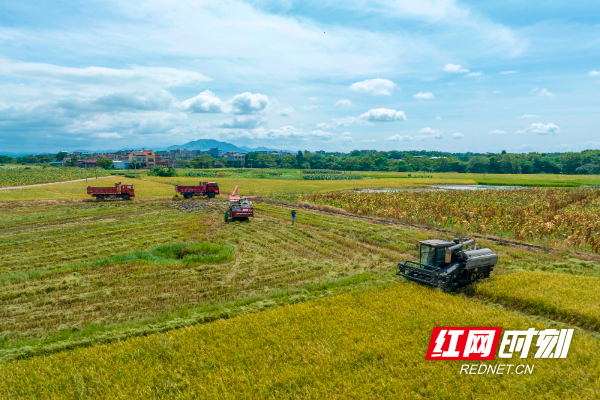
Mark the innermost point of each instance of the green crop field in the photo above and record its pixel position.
(19, 175)
(158, 298)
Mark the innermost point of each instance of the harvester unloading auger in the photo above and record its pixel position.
(448, 265)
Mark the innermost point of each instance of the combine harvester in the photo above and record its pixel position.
(124, 191)
(239, 208)
(447, 266)
(208, 189)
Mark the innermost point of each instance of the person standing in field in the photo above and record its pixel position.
(293, 216)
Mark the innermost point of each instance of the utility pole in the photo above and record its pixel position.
(85, 171)
(95, 171)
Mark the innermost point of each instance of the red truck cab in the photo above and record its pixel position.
(124, 191)
(208, 189)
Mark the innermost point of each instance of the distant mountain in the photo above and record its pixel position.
(261, 148)
(207, 144)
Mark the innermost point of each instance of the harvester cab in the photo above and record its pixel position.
(449, 264)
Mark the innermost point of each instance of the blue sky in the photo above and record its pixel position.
(340, 75)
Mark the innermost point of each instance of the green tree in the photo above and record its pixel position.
(478, 165)
(60, 156)
(299, 159)
(570, 162)
(288, 161)
(265, 161)
(105, 163)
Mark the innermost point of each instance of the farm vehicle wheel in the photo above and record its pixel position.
(126, 197)
(211, 195)
(99, 198)
(187, 195)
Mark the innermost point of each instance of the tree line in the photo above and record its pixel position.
(584, 163)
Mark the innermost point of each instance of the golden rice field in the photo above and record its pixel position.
(17, 176)
(564, 297)
(73, 275)
(78, 190)
(274, 187)
(364, 344)
(163, 299)
(569, 215)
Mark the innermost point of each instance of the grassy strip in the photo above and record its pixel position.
(189, 254)
(96, 334)
(564, 297)
(362, 344)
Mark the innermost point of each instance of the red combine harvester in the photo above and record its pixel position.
(240, 208)
(124, 191)
(209, 189)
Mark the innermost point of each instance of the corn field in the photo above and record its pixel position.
(565, 214)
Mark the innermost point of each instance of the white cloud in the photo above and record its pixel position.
(399, 138)
(437, 136)
(310, 108)
(508, 72)
(165, 77)
(347, 138)
(594, 73)
(285, 112)
(346, 134)
(368, 141)
(474, 74)
(137, 101)
(319, 134)
(497, 132)
(285, 132)
(542, 129)
(375, 87)
(542, 93)
(241, 122)
(383, 115)
(438, 118)
(429, 133)
(343, 103)
(455, 68)
(205, 102)
(457, 135)
(528, 116)
(496, 92)
(430, 130)
(313, 99)
(423, 96)
(345, 121)
(248, 103)
(107, 135)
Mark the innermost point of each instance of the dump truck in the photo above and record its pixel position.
(124, 191)
(448, 265)
(208, 189)
(239, 208)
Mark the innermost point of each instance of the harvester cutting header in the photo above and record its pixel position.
(448, 265)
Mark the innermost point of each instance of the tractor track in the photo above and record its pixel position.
(332, 211)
